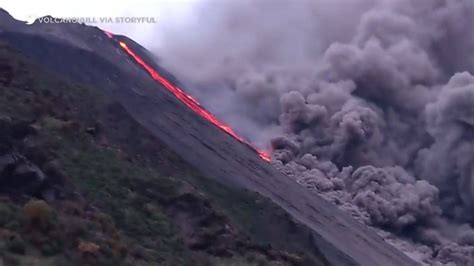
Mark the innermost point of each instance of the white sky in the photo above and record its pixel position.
(161, 10)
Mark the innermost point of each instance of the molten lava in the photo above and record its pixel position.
(185, 98)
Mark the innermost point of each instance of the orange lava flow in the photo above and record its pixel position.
(187, 99)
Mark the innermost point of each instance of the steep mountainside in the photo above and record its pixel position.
(85, 55)
(83, 183)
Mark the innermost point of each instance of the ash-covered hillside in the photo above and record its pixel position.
(367, 102)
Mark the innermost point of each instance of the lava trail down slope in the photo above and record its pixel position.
(187, 99)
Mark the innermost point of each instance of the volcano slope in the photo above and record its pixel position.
(112, 193)
(85, 55)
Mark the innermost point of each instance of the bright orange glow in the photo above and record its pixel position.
(187, 99)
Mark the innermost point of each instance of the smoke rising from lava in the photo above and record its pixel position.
(368, 102)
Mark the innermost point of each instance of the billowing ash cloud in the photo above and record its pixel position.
(449, 161)
(392, 197)
(369, 103)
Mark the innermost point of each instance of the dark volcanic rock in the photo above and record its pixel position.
(20, 164)
(19, 174)
(6, 74)
(11, 131)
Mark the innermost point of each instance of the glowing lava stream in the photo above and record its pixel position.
(187, 99)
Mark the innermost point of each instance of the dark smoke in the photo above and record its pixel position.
(369, 103)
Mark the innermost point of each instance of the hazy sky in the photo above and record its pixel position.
(161, 10)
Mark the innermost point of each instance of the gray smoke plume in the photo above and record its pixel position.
(369, 103)
(449, 161)
(392, 197)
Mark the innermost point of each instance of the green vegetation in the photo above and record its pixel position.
(113, 184)
(120, 203)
